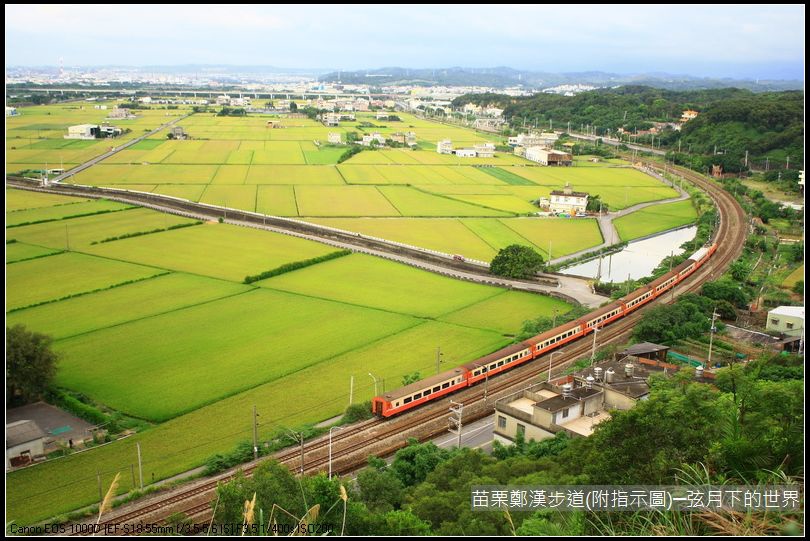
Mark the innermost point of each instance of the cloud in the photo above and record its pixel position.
(559, 37)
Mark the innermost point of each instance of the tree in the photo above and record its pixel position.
(293, 107)
(30, 364)
(407, 379)
(798, 287)
(516, 261)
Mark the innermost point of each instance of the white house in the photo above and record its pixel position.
(444, 147)
(466, 153)
(330, 119)
(82, 131)
(544, 156)
(485, 150)
(369, 138)
(11, 111)
(788, 320)
(335, 138)
(568, 201)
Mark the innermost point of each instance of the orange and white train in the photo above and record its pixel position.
(466, 375)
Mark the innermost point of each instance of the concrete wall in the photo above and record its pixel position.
(618, 401)
(35, 448)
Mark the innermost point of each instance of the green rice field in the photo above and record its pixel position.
(201, 345)
(160, 326)
(655, 219)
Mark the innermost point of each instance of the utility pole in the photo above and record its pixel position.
(486, 383)
(438, 359)
(456, 419)
(375, 383)
(255, 433)
(351, 389)
(554, 321)
(140, 464)
(550, 357)
(746, 159)
(715, 315)
(67, 239)
(593, 348)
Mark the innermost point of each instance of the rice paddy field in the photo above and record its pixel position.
(478, 238)
(233, 161)
(655, 219)
(35, 138)
(202, 346)
(160, 326)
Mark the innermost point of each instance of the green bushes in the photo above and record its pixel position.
(140, 233)
(295, 266)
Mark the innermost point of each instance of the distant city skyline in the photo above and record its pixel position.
(744, 41)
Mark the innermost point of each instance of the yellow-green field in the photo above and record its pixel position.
(478, 238)
(229, 153)
(168, 310)
(655, 219)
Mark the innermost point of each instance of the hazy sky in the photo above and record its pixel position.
(718, 41)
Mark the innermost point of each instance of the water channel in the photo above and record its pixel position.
(637, 260)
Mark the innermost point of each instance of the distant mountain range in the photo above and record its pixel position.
(503, 77)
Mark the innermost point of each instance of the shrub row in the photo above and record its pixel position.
(288, 267)
(139, 233)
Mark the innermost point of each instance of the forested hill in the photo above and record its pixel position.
(766, 124)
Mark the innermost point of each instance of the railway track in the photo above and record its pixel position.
(352, 446)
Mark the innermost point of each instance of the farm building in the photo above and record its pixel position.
(11, 111)
(788, 320)
(369, 139)
(407, 138)
(330, 119)
(534, 139)
(24, 441)
(444, 147)
(109, 131)
(485, 150)
(568, 201)
(82, 131)
(120, 112)
(465, 152)
(688, 115)
(542, 410)
(335, 138)
(548, 157)
(177, 132)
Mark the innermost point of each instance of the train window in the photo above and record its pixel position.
(417, 396)
(501, 363)
(436, 388)
(407, 400)
(427, 392)
(445, 385)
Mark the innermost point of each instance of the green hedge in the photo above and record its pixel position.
(295, 266)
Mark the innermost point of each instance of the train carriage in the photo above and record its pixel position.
(556, 337)
(499, 361)
(419, 392)
(601, 317)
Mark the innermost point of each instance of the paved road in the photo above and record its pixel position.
(115, 150)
